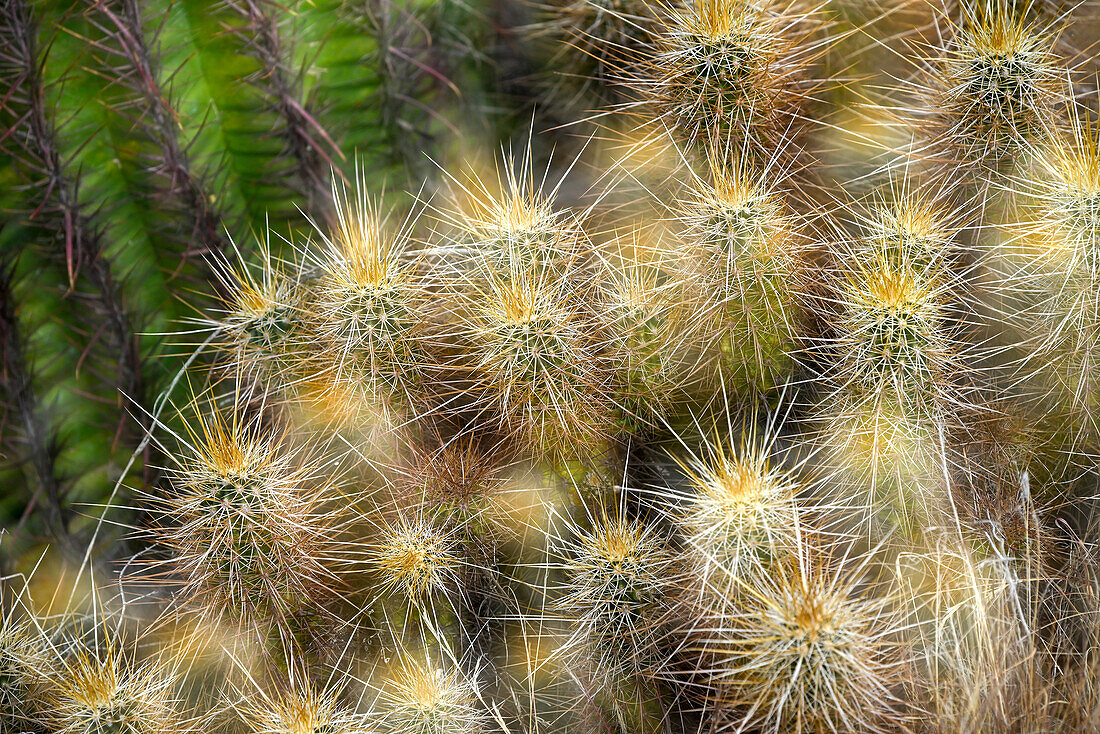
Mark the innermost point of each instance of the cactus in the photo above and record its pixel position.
(679, 414)
(808, 654)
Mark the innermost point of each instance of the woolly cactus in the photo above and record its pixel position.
(748, 388)
(431, 700)
(742, 515)
(729, 68)
(808, 654)
(247, 526)
(746, 254)
(997, 83)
